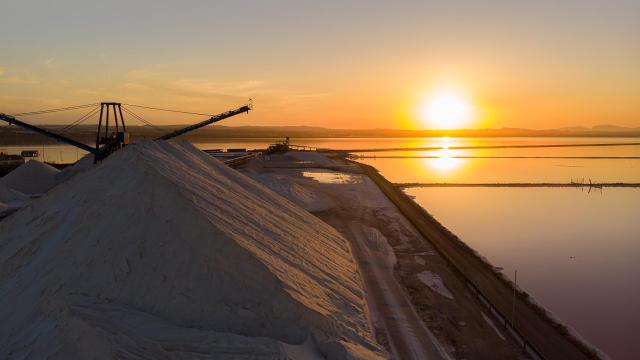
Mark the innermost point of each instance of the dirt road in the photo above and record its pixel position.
(405, 332)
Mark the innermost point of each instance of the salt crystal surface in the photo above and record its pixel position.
(299, 194)
(161, 251)
(82, 165)
(32, 177)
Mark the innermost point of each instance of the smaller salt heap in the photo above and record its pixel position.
(8, 196)
(11, 199)
(32, 178)
(163, 252)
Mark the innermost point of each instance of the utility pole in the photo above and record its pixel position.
(513, 311)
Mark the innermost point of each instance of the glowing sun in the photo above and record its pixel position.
(446, 110)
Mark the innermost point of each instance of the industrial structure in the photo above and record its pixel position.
(111, 133)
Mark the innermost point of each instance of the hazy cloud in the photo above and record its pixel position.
(23, 77)
(169, 84)
(237, 89)
(50, 62)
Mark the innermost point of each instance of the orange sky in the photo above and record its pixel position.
(542, 65)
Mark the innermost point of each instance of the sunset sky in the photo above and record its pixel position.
(338, 64)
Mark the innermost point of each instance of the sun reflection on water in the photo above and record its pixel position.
(445, 160)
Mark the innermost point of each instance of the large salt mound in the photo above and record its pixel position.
(32, 177)
(162, 252)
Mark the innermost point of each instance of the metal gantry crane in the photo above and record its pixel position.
(108, 142)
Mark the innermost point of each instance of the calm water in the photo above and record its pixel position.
(576, 252)
(65, 154)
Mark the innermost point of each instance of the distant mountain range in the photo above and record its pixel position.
(604, 127)
(12, 135)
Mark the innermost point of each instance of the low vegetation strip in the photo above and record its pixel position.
(550, 339)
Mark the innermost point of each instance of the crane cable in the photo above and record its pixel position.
(82, 119)
(175, 111)
(94, 111)
(141, 119)
(69, 108)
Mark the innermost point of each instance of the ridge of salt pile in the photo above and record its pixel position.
(85, 163)
(11, 200)
(32, 177)
(162, 251)
(9, 196)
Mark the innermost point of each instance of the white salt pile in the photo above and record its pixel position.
(82, 165)
(162, 252)
(298, 194)
(32, 177)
